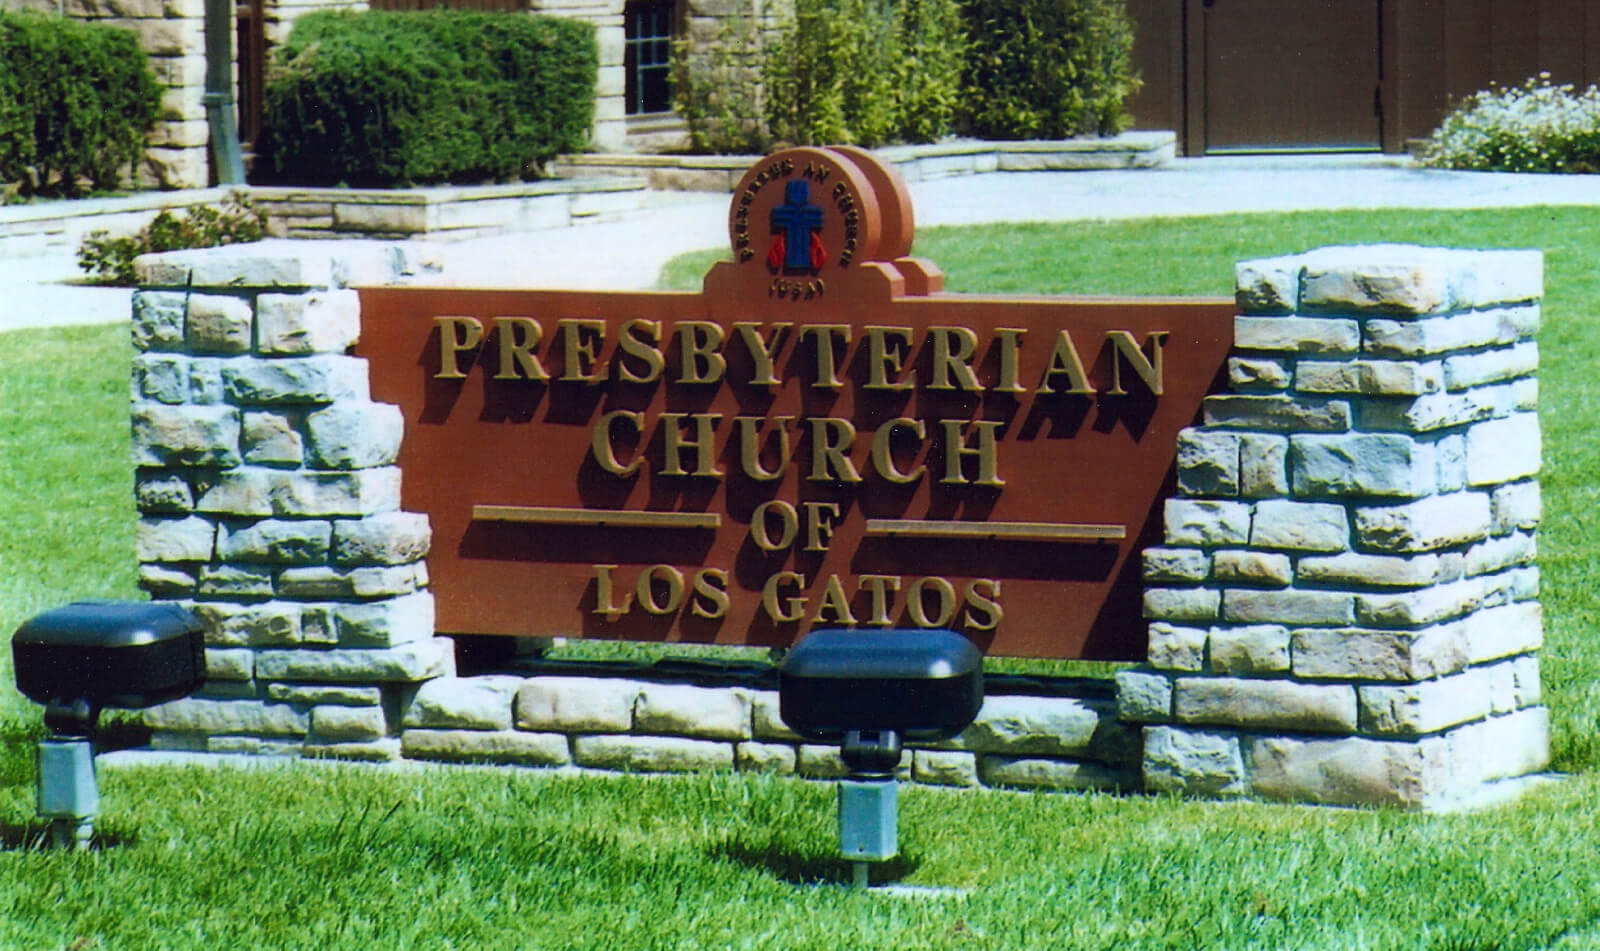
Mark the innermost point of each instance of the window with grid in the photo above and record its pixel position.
(647, 57)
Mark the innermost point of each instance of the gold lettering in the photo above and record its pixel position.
(640, 339)
(789, 521)
(955, 451)
(1149, 368)
(879, 587)
(603, 604)
(714, 594)
(580, 349)
(456, 334)
(703, 443)
(769, 598)
(831, 439)
(988, 607)
(883, 450)
(646, 589)
(1010, 348)
(517, 337)
(827, 370)
(918, 607)
(763, 353)
(819, 524)
(750, 447)
(1064, 359)
(953, 348)
(600, 442)
(834, 599)
(698, 342)
(882, 361)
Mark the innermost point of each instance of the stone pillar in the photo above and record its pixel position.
(610, 132)
(1345, 609)
(270, 503)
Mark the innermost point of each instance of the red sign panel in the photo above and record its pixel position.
(820, 438)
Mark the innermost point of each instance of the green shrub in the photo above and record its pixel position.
(378, 99)
(77, 101)
(1535, 127)
(1047, 69)
(717, 88)
(109, 260)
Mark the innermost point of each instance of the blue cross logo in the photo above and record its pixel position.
(798, 222)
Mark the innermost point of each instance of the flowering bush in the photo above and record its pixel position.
(1535, 127)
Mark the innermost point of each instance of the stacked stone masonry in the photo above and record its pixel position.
(1345, 608)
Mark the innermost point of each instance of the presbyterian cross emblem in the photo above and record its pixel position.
(797, 249)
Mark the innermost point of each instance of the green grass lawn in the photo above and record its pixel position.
(343, 857)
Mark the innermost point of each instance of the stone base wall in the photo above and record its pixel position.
(1346, 606)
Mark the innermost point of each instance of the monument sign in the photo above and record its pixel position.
(821, 437)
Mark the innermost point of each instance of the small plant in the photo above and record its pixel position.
(108, 259)
(1534, 127)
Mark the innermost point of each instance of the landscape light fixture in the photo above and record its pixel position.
(870, 691)
(77, 660)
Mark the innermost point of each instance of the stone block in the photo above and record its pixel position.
(387, 538)
(681, 710)
(1208, 463)
(263, 264)
(1206, 524)
(403, 620)
(235, 664)
(1288, 606)
(166, 581)
(275, 541)
(270, 439)
(1420, 606)
(475, 746)
(1254, 374)
(318, 322)
(1361, 464)
(313, 582)
(1504, 631)
(1353, 771)
(1369, 654)
(353, 435)
(1284, 414)
(235, 583)
(1491, 366)
(261, 492)
(1381, 279)
(407, 663)
(1252, 649)
(1265, 704)
(766, 723)
(1242, 566)
(1192, 762)
(1181, 604)
(1498, 277)
(1369, 377)
(271, 624)
(205, 380)
(248, 717)
(185, 435)
(1263, 466)
(1036, 773)
(1498, 554)
(1143, 696)
(1427, 707)
(316, 379)
(158, 319)
(1429, 337)
(161, 377)
(651, 754)
(219, 324)
(1049, 725)
(174, 539)
(944, 768)
(1503, 450)
(1177, 648)
(1529, 688)
(1299, 526)
(1176, 565)
(577, 704)
(387, 581)
(1311, 335)
(1428, 524)
(776, 758)
(1268, 286)
(341, 695)
(1515, 507)
(1514, 745)
(824, 762)
(1435, 411)
(1384, 571)
(468, 703)
(338, 724)
(162, 493)
(386, 750)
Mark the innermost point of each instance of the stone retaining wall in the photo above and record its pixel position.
(1346, 607)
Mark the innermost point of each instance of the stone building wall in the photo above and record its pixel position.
(1346, 607)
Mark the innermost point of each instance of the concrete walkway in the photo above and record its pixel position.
(629, 253)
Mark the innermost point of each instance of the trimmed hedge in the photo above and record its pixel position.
(77, 102)
(378, 99)
(1047, 69)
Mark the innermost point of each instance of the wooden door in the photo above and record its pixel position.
(1289, 74)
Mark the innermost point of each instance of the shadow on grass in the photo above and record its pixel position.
(807, 867)
(34, 836)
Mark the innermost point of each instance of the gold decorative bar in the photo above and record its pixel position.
(1015, 531)
(609, 518)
